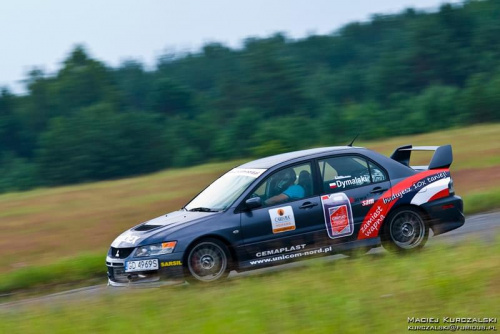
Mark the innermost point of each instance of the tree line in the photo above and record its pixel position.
(406, 73)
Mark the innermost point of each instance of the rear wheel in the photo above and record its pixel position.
(405, 230)
(208, 261)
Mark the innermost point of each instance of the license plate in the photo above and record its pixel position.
(142, 265)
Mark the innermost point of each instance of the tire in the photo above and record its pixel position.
(207, 261)
(405, 231)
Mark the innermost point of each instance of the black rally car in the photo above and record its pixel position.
(293, 206)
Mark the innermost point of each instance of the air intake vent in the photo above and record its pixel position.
(145, 227)
(120, 253)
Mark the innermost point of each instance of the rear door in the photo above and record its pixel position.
(349, 183)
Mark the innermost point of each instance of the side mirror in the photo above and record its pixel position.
(252, 203)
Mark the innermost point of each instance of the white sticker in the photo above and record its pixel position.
(131, 239)
(282, 219)
(368, 202)
(252, 172)
(338, 215)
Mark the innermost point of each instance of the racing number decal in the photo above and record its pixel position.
(338, 215)
(404, 191)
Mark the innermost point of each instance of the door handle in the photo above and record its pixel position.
(377, 190)
(308, 205)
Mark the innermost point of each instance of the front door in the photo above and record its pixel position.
(286, 222)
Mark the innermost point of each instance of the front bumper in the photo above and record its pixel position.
(170, 271)
(445, 214)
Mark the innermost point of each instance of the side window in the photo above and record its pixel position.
(343, 173)
(377, 173)
(286, 185)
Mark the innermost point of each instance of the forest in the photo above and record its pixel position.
(401, 74)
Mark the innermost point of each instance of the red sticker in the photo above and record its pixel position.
(338, 218)
(441, 194)
(375, 217)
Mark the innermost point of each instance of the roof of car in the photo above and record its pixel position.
(273, 160)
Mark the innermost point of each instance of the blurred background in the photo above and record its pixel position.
(85, 119)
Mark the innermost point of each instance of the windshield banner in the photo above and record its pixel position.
(252, 172)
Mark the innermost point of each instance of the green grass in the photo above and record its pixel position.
(481, 201)
(66, 270)
(373, 294)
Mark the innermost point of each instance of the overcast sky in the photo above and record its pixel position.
(42, 32)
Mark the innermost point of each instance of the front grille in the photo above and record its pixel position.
(120, 253)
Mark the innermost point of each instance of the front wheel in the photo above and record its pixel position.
(207, 261)
(404, 231)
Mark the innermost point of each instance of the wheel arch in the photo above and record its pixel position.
(387, 239)
(418, 208)
(230, 247)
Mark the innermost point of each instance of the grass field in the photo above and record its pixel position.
(43, 226)
(374, 294)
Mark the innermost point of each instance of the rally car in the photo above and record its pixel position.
(293, 206)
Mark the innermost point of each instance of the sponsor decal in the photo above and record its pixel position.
(433, 191)
(415, 187)
(252, 172)
(356, 181)
(131, 239)
(402, 192)
(339, 219)
(368, 202)
(280, 250)
(374, 222)
(340, 177)
(338, 215)
(284, 257)
(282, 219)
(171, 264)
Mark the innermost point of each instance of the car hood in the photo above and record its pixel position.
(147, 232)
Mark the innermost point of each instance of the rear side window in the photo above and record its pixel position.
(344, 173)
(377, 173)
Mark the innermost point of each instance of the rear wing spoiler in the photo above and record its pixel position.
(442, 158)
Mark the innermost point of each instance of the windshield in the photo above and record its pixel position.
(224, 191)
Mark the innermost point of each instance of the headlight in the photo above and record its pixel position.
(156, 249)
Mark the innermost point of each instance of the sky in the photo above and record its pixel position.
(36, 33)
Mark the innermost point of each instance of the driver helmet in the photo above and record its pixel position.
(285, 178)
